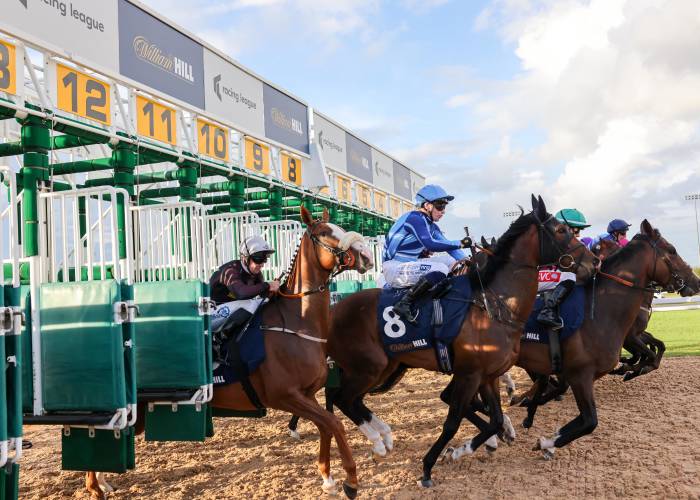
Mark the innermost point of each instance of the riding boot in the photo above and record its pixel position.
(441, 289)
(403, 307)
(234, 323)
(549, 315)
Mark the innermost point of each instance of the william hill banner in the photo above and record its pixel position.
(286, 119)
(157, 55)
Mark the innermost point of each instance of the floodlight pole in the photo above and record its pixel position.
(694, 198)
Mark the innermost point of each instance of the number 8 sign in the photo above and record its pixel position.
(291, 169)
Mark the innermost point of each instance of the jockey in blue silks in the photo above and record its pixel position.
(408, 249)
(617, 232)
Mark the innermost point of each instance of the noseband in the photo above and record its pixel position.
(566, 260)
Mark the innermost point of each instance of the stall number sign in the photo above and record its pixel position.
(83, 95)
(364, 197)
(343, 190)
(257, 156)
(8, 68)
(395, 208)
(212, 140)
(291, 169)
(380, 202)
(155, 120)
(407, 207)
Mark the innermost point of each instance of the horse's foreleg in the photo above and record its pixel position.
(92, 485)
(462, 393)
(292, 426)
(535, 401)
(585, 423)
(508, 381)
(487, 430)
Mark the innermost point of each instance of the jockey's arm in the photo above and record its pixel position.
(417, 225)
(238, 289)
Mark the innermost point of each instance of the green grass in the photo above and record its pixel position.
(680, 331)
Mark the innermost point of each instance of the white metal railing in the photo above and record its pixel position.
(79, 235)
(10, 249)
(170, 242)
(284, 236)
(224, 234)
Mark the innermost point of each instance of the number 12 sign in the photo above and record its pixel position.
(83, 94)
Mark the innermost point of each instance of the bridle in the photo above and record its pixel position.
(344, 259)
(676, 283)
(565, 259)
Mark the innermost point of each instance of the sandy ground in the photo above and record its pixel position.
(647, 444)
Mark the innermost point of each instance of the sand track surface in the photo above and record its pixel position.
(647, 444)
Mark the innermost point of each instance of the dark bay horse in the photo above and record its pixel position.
(488, 342)
(614, 299)
(295, 366)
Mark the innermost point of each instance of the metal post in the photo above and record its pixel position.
(694, 198)
(36, 142)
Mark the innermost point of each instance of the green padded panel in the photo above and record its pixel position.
(102, 453)
(23, 273)
(82, 351)
(13, 347)
(171, 348)
(208, 346)
(9, 482)
(364, 285)
(27, 381)
(345, 286)
(185, 424)
(128, 334)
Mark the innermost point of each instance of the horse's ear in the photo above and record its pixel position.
(484, 243)
(534, 202)
(645, 228)
(306, 216)
(541, 209)
(493, 241)
(325, 217)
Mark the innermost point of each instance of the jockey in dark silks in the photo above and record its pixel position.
(238, 288)
(407, 257)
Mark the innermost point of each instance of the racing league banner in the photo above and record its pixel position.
(153, 53)
(286, 119)
(331, 140)
(82, 29)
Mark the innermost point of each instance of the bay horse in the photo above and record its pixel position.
(488, 341)
(613, 299)
(296, 330)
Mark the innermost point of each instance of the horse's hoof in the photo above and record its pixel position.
(547, 454)
(350, 491)
(490, 449)
(559, 397)
(426, 483)
(527, 423)
(295, 435)
(377, 457)
(628, 376)
(447, 452)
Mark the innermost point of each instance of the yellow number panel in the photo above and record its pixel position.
(212, 140)
(83, 95)
(364, 196)
(257, 156)
(155, 120)
(407, 207)
(8, 68)
(380, 202)
(343, 190)
(395, 207)
(291, 169)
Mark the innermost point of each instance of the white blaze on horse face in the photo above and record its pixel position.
(337, 231)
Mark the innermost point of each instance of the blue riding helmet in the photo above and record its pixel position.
(618, 225)
(430, 193)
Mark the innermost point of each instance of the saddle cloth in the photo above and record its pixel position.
(571, 311)
(243, 354)
(400, 336)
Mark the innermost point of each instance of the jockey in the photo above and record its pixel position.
(407, 257)
(617, 232)
(559, 284)
(238, 287)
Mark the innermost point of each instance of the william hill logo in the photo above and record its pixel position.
(151, 53)
(280, 119)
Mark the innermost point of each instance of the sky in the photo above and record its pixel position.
(593, 104)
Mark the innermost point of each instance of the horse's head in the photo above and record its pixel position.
(336, 248)
(605, 248)
(668, 268)
(559, 245)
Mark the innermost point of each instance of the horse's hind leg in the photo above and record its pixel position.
(328, 426)
(535, 401)
(292, 426)
(376, 423)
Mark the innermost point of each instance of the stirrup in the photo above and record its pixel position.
(407, 315)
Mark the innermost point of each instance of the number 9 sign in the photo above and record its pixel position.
(257, 156)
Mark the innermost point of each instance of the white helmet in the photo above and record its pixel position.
(254, 244)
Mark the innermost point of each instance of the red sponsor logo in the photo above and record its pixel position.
(549, 276)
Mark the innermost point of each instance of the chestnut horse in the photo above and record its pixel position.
(296, 329)
(613, 299)
(488, 341)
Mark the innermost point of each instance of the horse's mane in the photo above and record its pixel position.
(501, 251)
(621, 254)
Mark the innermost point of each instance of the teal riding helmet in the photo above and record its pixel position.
(572, 218)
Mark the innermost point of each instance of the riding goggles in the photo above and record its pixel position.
(259, 258)
(440, 205)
